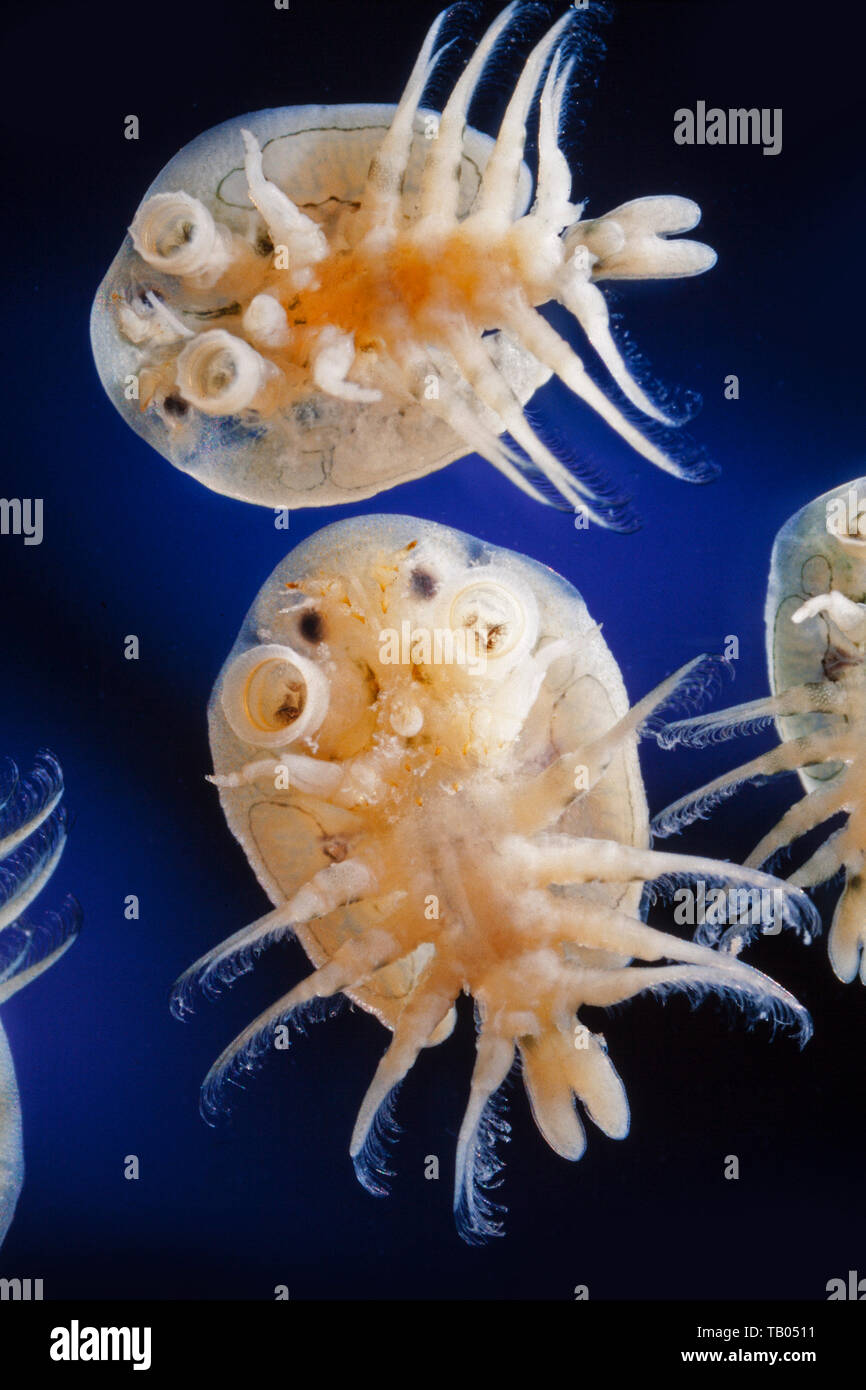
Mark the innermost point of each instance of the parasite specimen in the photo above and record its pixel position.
(425, 749)
(815, 622)
(316, 303)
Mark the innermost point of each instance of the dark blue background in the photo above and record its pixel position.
(133, 546)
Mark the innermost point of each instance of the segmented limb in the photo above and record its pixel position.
(490, 386)
(23, 878)
(534, 332)
(554, 788)
(381, 199)
(351, 964)
(819, 697)
(40, 947)
(439, 185)
(286, 224)
(803, 816)
(842, 613)
(585, 300)
(331, 360)
(566, 859)
(800, 752)
(825, 863)
(553, 209)
(499, 182)
(459, 416)
(314, 775)
(415, 1029)
(595, 926)
(474, 1213)
(596, 756)
(604, 988)
(329, 888)
(32, 839)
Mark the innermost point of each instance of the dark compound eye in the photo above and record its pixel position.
(423, 584)
(312, 626)
(175, 405)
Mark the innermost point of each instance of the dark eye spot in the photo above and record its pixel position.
(423, 584)
(175, 405)
(312, 626)
(264, 245)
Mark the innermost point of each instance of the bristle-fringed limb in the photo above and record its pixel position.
(224, 964)
(371, 1159)
(32, 839)
(33, 949)
(30, 802)
(478, 1166)
(749, 990)
(246, 1055)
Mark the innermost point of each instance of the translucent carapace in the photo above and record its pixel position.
(816, 653)
(316, 303)
(425, 748)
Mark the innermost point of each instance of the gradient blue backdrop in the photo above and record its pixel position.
(133, 546)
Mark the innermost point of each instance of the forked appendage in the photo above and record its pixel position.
(382, 196)
(557, 1068)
